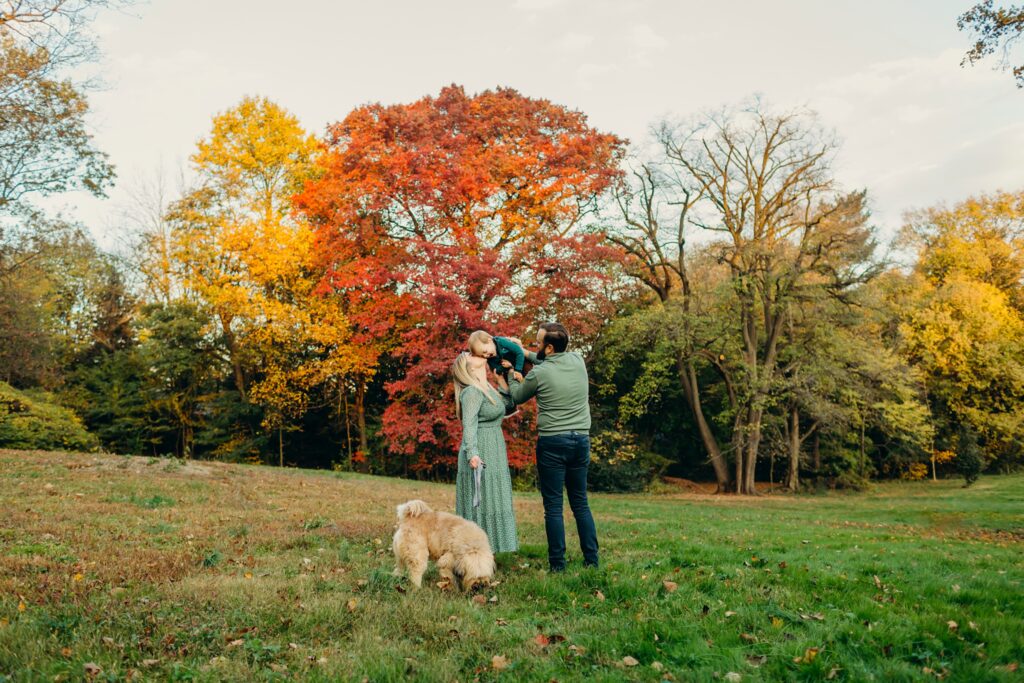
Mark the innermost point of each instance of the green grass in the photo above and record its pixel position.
(204, 571)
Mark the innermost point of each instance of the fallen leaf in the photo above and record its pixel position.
(499, 662)
(748, 638)
(577, 650)
(494, 598)
(444, 585)
(833, 673)
(776, 622)
(756, 660)
(479, 600)
(92, 670)
(973, 626)
(630, 661)
(878, 581)
(501, 622)
(150, 662)
(809, 655)
(107, 640)
(783, 565)
(541, 640)
(1009, 668)
(657, 666)
(814, 616)
(729, 613)
(361, 582)
(956, 588)
(399, 588)
(21, 606)
(236, 642)
(599, 595)
(670, 586)
(733, 677)
(952, 625)
(77, 577)
(248, 575)
(352, 603)
(65, 652)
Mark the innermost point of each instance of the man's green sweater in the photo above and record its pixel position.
(562, 389)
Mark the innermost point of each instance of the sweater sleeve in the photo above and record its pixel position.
(522, 392)
(470, 401)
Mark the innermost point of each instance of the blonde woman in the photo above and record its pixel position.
(483, 485)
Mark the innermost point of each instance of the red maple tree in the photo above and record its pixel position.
(456, 213)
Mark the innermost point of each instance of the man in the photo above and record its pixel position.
(559, 381)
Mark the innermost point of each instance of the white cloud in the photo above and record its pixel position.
(590, 75)
(644, 43)
(537, 5)
(574, 42)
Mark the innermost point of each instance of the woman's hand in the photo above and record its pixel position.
(502, 382)
(474, 462)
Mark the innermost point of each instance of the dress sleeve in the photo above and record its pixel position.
(470, 401)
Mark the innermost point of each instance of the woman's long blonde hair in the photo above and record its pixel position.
(463, 377)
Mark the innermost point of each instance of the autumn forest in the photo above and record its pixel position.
(299, 301)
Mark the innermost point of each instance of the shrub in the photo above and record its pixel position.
(618, 464)
(968, 459)
(33, 421)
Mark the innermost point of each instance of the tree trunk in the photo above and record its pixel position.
(364, 449)
(793, 476)
(753, 444)
(280, 447)
(343, 398)
(688, 378)
(236, 365)
(816, 454)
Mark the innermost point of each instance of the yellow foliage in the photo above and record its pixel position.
(916, 471)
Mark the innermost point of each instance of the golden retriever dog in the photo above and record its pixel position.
(459, 547)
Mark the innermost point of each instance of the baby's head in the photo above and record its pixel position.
(482, 344)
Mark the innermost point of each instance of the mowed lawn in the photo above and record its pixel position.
(114, 568)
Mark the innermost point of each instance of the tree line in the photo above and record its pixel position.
(300, 299)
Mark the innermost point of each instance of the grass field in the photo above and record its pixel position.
(114, 568)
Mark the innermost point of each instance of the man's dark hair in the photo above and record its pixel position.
(556, 335)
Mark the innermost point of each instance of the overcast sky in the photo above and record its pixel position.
(916, 128)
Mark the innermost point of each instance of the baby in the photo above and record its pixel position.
(498, 351)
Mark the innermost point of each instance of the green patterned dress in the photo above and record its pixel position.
(482, 436)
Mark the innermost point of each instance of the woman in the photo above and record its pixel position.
(481, 408)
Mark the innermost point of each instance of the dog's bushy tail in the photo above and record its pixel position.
(414, 508)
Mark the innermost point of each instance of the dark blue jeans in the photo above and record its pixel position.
(562, 462)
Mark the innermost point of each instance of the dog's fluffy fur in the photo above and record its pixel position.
(458, 546)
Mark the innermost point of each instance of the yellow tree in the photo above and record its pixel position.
(963, 316)
(248, 260)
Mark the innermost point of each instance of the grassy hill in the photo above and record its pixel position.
(114, 568)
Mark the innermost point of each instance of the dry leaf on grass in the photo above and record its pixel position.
(733, 677)
(479, 600)
(670, 586)
(630, 661)
(599, 595)
(352, 604)
(92, 670)
(499, 662)
(809, 656)
(748, 638)
(952, 625)
(756, 660)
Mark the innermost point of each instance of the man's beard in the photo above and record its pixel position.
(541, 355)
